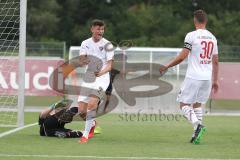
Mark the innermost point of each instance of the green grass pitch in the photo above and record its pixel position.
(123, 139)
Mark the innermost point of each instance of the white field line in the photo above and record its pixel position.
(16, 130)
(107, 157)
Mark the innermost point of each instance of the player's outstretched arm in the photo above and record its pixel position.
(183, 54)
(215, 73)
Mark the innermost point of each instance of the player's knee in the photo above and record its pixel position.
(81, 110)
(197, 105)
(184, 104)
(92, 105)
(82, 107)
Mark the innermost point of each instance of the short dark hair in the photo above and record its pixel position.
(200, 16)
(97, 22)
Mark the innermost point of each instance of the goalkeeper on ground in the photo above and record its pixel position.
(53, 119)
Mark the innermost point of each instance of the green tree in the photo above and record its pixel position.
(159, 23)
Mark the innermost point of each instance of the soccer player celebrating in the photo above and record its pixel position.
(97, 77)
(202, 73)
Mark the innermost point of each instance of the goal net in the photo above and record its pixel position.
(12, 62)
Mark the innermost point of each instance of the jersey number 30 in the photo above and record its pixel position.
(207, 49)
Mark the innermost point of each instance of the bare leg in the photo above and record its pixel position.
(197, 105)
(184, 104)
(82, 107)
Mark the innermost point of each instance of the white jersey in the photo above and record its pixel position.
(98, 49)
(94, 84)
(202, 45)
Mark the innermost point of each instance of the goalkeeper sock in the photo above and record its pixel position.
(89, 122)
(188, 112)
(199, 113)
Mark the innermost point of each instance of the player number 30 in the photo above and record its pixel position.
(207, 49)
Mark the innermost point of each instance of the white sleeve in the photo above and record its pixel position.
(215, 48)
(83, 49)
(110, 53)
(188, 42)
